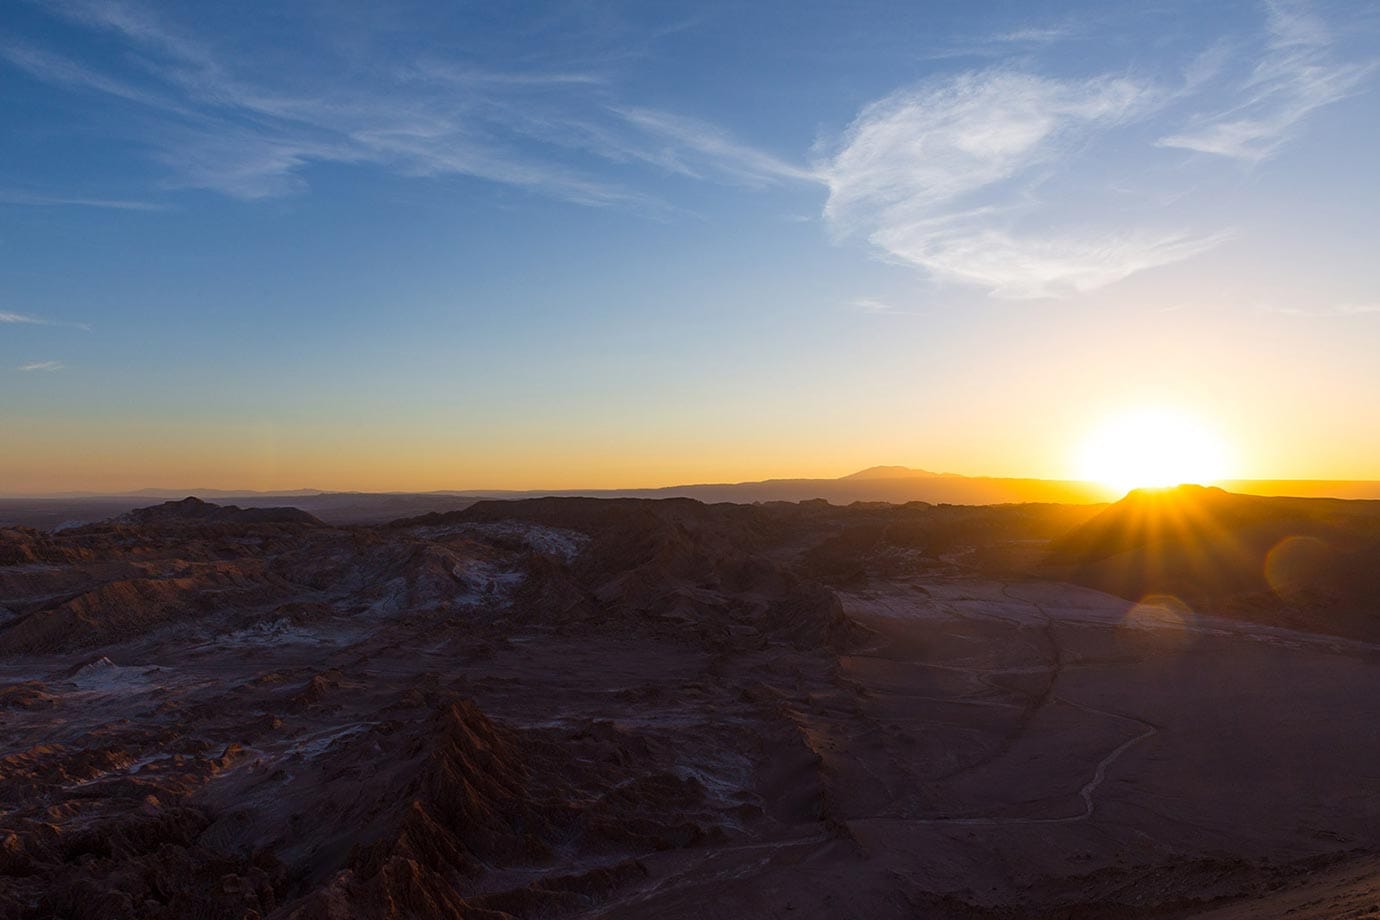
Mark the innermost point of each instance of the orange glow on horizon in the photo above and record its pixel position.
(1153, 448)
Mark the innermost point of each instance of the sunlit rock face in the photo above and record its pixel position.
(627, 708)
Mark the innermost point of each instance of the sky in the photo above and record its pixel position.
(412, 246)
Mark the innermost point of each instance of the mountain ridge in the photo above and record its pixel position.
(885, 484)
(877, 475)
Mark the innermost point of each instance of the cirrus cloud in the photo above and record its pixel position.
(988, 177)
(26, 319)
(218, 119)
(941, 176)
(1295, 74)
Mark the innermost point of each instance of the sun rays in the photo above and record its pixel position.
(1153, 447)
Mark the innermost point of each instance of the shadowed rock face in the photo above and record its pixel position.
(580, 708)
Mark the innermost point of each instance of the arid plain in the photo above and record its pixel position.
(627, 708)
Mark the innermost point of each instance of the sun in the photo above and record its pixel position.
(1152, 447)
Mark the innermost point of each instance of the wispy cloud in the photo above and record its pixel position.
(25, 319)
(975, 178)
(875, 307)
(922, 148)
(1037, 35)
(941, 176)
(470, 75)
(226, 124)
(1336, 310)
(716, 146)
(41, 366)
(1018, 40)
(60, 70)
(1296, 74)
(28, 199)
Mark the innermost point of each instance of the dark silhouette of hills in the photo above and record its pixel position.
(892, 484)
(1305, 563)
(193, 510)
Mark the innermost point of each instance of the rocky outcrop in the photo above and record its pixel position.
(192, 510)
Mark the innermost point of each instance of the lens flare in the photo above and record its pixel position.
(1159, 611)
(1162, 621)
(1294, 565)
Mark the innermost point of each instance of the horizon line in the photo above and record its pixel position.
(485, 492)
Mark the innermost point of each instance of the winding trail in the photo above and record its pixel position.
(983, 676)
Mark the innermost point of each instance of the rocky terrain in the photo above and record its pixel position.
(1310, 564)
(629, 708)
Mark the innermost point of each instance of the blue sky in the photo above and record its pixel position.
(443, 246)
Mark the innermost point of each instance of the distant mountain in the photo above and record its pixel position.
(226, 493)
(893, 472)
(174, 493)
(891, 484)
(917, 487)
(1305, 488)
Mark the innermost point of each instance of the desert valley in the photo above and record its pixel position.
(570, 707)
(607, 460)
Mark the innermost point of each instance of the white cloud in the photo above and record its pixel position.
(980, 178)
(940, 177)
(1040, 265)
(970, 178)
(921, 148)
(875, 307)
(1340, 309)
(28, 199)
(41, 366)
(1017, 40)
(1039, 35)
(26, 319)
(871, 305)
(1295, 75)
(228, 124)
(716, 146)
